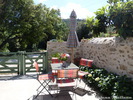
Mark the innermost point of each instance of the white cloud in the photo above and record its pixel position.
(80, 11)
(55, 7)
(41, 1)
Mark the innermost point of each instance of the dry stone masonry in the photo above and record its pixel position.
(113, 54)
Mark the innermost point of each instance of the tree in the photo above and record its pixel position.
(19, 24)
(82, 30)
(55, 28)
(121, 15)
(99, 23)
(118, 15)
(1, 3)
(92, 24)
(24, 25)
(102, 17)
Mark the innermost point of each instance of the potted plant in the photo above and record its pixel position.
(63, 57)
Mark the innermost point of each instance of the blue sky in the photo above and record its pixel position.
(83, 8)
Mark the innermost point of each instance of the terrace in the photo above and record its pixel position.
(111, 74)
(18, 78)
(24, 88)
(19, 65)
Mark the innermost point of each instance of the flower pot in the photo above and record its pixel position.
(64, 64)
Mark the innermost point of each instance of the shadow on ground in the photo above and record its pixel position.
(18, 77)
(60, 96)
(64, 95)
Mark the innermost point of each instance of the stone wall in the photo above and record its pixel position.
(55, 47)
(113, 54)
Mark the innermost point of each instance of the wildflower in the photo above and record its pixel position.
(97, 79)
(64, 56)
(89, 75)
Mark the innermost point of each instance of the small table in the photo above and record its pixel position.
(58, 66)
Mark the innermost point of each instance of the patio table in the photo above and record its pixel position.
(58, 66)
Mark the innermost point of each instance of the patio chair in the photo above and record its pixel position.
(81, 75)
(55, 60)
(67, 78)
(43, 79)
(87, 63)
(83, 62)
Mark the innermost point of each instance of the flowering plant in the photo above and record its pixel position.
(62, 56)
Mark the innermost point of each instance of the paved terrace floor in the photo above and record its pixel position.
(24, 88)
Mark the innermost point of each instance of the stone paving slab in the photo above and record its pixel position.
(23, 89)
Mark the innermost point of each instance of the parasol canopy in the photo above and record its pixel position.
(72, 41)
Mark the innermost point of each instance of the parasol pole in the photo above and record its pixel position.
(72, 58)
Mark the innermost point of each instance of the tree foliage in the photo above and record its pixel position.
(82, 30)
(102, 16)
(121, 15)
(99, 23)
(118, 14)
(92, 25)
(24, 24)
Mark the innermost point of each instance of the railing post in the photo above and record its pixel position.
(22, 62)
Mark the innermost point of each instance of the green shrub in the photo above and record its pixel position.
(107, 83)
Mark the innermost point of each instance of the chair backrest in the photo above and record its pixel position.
(55, 60)
(90, 63)
(83, 61)
(86, 62)
(35, 64)
(68, 73)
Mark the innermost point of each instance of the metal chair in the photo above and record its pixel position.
(87, 63)
(83, 62)
(81, 74)
(43, 79)
(67, 78)
(55, 60)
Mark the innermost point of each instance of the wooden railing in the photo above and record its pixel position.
(22, 62)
